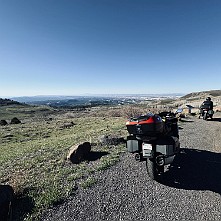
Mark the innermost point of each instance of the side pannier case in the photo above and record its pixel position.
(168, 145)
(133, 145)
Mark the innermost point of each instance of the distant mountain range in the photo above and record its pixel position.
(31, 99)
(91, 100)
(76, 101)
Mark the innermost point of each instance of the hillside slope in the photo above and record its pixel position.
(5, 102)
(213, 93)
(195, 99)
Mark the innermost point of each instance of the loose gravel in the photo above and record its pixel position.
(189, 190)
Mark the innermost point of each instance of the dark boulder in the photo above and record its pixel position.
(3, 122)
(15, 120)
(78, 152)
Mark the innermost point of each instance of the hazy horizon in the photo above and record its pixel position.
(95, 95)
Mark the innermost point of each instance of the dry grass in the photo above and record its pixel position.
(33, 157)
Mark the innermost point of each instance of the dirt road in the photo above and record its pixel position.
(191, 189)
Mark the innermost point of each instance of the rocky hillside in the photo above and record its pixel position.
(196, 98)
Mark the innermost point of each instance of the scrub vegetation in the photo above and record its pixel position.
(33, 154)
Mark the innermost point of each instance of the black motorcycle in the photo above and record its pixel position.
(206, 113)
(154, 138)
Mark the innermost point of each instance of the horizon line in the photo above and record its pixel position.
(101, 94)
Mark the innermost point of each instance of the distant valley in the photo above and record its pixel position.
(71, 102)
(91, 101)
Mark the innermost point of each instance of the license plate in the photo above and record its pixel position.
(147, 149)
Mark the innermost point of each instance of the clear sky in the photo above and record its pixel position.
(72, 47)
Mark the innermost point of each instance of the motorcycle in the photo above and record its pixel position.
(154, 138)
(206, 113)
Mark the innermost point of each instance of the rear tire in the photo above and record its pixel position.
(205, 116)
(153, 169)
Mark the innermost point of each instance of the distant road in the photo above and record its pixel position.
(191, 189)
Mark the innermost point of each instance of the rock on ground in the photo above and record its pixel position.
(78, 152)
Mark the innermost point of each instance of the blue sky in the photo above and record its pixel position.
(51, 47)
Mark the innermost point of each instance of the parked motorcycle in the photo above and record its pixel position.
(154, 138)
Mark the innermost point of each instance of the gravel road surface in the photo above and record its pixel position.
(190, 190)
